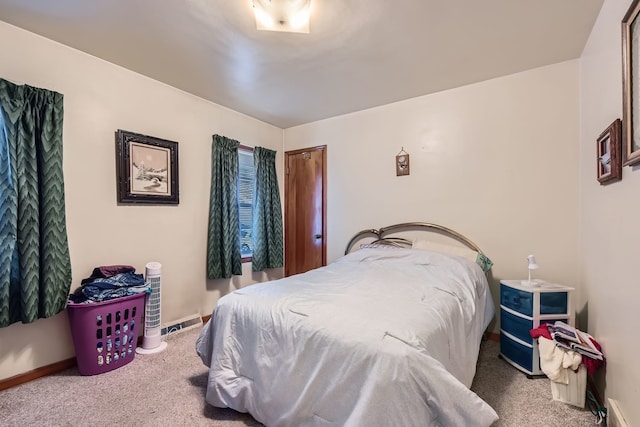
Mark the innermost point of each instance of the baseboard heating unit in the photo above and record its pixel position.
(182, 325)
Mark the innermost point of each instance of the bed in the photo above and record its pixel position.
(388, 334)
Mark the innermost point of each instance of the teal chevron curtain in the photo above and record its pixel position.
(35, 269)
(266, 234)
(223, 245)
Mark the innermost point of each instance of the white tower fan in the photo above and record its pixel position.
(152, 339)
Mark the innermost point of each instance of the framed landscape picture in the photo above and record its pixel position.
(147, 169)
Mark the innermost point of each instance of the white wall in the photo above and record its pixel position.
(609, 218)
(495, 161)
(99, 99)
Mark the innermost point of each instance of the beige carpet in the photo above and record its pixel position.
(167, 389)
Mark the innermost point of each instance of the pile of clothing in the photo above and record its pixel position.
(109, 282)
(556, 361)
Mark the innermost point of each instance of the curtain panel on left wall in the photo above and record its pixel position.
(35, 268)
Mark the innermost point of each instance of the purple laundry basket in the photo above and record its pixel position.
(105, 334)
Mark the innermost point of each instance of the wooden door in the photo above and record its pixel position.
(305, 243)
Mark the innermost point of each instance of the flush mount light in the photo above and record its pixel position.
(282, 15)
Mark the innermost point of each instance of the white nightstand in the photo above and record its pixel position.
(524, 307)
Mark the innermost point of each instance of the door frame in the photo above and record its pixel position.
(322, 148)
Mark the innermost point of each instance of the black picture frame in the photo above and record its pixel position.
(155, 182)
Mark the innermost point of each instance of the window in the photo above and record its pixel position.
(246, 178)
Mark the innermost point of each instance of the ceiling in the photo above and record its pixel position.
(359, 53)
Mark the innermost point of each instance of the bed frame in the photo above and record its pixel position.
(384, 235)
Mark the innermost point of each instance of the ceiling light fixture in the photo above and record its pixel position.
(282, 15)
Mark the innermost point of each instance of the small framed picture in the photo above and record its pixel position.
(608, 152)
(402, 164)
(147, 169)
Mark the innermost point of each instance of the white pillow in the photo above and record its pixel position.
(426, 245)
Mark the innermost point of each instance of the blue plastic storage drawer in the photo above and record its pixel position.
(516, 352)
(519, 327)
(517, 300)
(553, 302)
(522, 301)
(516, 326)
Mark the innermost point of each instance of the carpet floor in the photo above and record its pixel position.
(167, 389)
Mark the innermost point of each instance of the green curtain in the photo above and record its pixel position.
(266, 234)
(35, 269)
(223, 245)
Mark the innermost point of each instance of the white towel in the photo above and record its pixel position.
(555, 362)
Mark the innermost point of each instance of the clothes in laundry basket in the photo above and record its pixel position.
(98, 289)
